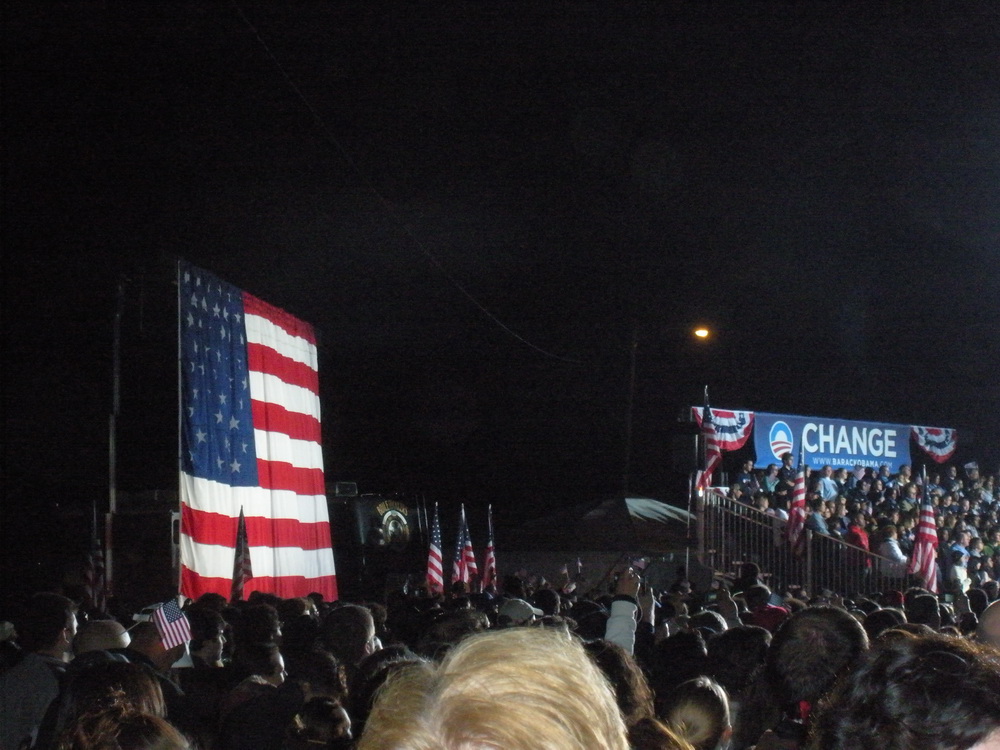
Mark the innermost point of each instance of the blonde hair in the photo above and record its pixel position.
(513, 689)
(698, 712)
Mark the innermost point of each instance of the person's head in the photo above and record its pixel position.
(548, 601)
(698, 712)
(757, 596)
(635, 699)
(881, 620)
(207, 634)
(119, 728)
(734, 656)
(653, 734)
(146, 639)
(110, 683)
(749, 571)
(786, 459)
(47, 625)
(504, 688)
(348, 632)
(324, 720)
(517, 612)
(100, 635)
(929, 692)
(258, 623)
(924, 610)
(810, 650)
(988, 629)
(263, 660)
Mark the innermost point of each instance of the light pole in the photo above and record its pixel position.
(701, 333)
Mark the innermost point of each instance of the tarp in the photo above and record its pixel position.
(599, 536)
(633, 524)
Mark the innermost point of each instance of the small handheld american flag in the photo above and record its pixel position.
(172, 625)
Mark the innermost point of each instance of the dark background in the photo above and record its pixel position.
(478, 206)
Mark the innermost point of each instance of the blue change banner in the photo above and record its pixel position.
(833, 442)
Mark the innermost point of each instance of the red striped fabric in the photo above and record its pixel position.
(276, 418)
(215, 528)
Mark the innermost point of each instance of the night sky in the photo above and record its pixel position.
(477, 206)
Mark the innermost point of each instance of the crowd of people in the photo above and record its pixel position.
(879, 511)
(622, 667)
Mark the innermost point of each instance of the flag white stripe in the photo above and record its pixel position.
(217, 562)
(277, 446)
(262, 331)
(213, 497)
(293, 398)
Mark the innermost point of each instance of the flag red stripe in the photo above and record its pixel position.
(264, 359)
(276, 418)
(288, 323)
(284, 586)
(213, 528)
(278, 475)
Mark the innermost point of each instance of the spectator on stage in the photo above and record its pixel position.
(826, 485)
(893, 564)
(747, 478)
(958, 576)
(951, 483)
(859, 561)
(961, 538)
(769, 482)
(46, 631)
(901, 478)
(816, 521)
(787, 470)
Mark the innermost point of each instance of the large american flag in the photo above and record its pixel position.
(435, 569)
(797, 509)
(250, 438)
(923, 560)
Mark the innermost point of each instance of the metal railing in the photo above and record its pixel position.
(731, 533)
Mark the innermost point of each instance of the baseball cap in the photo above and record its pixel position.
(518, 610)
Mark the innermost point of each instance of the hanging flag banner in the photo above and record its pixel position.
(831, 442)
(732, 428)
(937, 442)
(250, 438)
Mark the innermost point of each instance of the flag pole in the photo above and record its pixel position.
(116, 367)
(180, 416)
